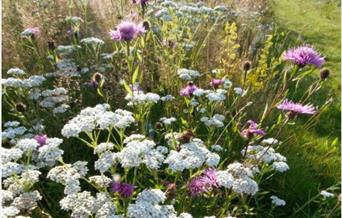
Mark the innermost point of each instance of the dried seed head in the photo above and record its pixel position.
(186, 137)
(158, 125)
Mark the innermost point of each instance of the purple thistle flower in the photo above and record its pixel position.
(188, 90)
(127, 31)
(252, 130)
(304, 55)
(216, 82)
(203, 183)
(296, 108)
(41, 139)
(125, 190)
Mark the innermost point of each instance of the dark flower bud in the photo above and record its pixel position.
(97, 77)
(158, 125)
(21, 107)
(190, 83)
(324, 73)
(291, 115)
(52, 45)
(186, 137)
(247, 65)
(146, 25)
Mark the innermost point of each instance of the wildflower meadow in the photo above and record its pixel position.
(166, 109)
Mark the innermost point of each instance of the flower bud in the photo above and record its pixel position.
(247, 65)
(324, 73)
(186, 137)
(97, 77)
(52, 45)
(146, 25)
(21, 107)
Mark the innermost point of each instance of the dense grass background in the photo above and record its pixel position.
(315, 155)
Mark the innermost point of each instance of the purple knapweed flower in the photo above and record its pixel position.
(216, 82)
(125, 190)
(41, 139)
(252, 130)
(127, 31)
(188, 90)
(304, 55)
(203, 183)
(30, 32)
(296, 108)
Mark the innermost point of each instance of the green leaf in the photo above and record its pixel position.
(135, 75)
(335, 142)
(127, 88)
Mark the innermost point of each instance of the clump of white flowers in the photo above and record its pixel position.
(266, 155)
(188, 75)
(15, 72)
(215, 121)
(69, 175)
(238, 178)
(168, 121)
(83, 205)
(92, 41)
(149, 204)
(55, 99)
(167, 98)
(277, 201)
(13, 131)
(138, 97)
(49, 153)
(139, 150)
(32, 81)
(191, 155)
(326, 194)
(217, 95)
(98, 117)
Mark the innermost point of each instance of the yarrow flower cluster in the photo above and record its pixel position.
(138, 97)
(238, 178)
(267, 155)
(93, 41)
(139, 150)
(83, 204)
(191, 155)
(98, 117)
(277, 201)
(16, 72)
(69, 175)
(215, 121)
(188, 75)
(32, 81)
(149, 204)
